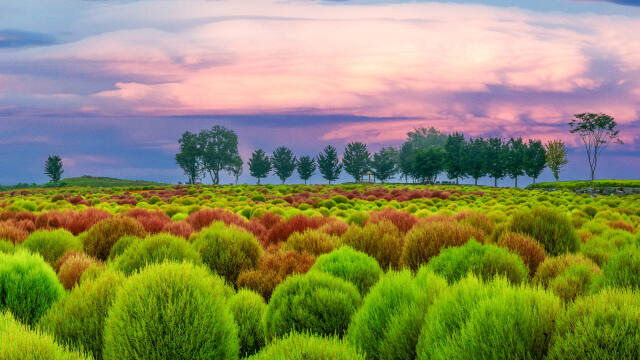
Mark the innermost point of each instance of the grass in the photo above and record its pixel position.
(573, 185)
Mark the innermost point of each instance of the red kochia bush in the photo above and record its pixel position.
(299, 223)
(178, 228)
(101, 237)
(81, 221)
(404, 221)
(12, 233)
(622, 225)
(50, 220)
(269, 219)
(426, 240)
(204, 217)
(152, 221)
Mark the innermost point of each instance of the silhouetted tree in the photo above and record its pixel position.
(496, 162)
(385, 163)
(306, 167)
(596, 131)
(556, 157)
(190, 156)
(455, 160)
(515, 152)
(53, 168)
(219, 147)
(283, 162)
(259, 165)
(329, 164)
(535, 159)
(429, 163)
(356, 160)
(476, 158)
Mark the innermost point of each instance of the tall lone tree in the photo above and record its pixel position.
(535, 159)
(515, 152)
(496, 162)
(236, 169)
(356, 160)
(455, 159)
(53, 168)
(306, 167)
(476, 158)
(596, 131)
(556, 157)
(259, 165)
(190, 156)
(329, 164)
(283, 162)
(219, 147)
(385, 163)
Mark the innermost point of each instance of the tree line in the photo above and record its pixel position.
(426, 154)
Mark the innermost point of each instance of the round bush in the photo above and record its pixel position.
(383, 241)
(52, 244)
(554, 266)
(425, 241)
(314, 242)
(78, 319)
(318, 303)
(17, 341)
(388, 323)
(170, 311)
(551, 228)
(603, 326)
(105, 233)
(485, 261)
(248, 309)
(353, 266)
(72, 269)
(121, 245)
(623, 269)
(227, 250)
(28, 286)
(153, 250)
(529, 250)
(308, 347)
(574, 281)
(493, 321)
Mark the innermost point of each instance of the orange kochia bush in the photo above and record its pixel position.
(101, 237)
(426, 240)
(299, 223)
(526, 247)
(72, 269)
(382, 241)
(404, 221)
(152, 221)
(178, 228)
(274, 266)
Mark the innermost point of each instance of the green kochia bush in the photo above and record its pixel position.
(155, 249)
(603, 326)
(389, 322)
(228, 251)
(602, 247)
(354, 266)
(78, 319)
(52, 244)
(316, 302)
(105, 233)
(623, 270)
(18, 342)
(308, 347)
(121, 245)
(171, 311)
(28, 286)
(489, 321)
(248, 309)
(485, 261)
(551, 228)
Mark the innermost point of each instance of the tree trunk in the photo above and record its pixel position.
(258, 181)
(476, 181)
(457, 181)
(495, 182)
(516, 181)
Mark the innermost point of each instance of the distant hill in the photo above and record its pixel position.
(92, 181)
(86, 180)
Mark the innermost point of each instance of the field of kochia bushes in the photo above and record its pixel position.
(318, 272)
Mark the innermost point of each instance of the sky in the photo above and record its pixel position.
(111, 85)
